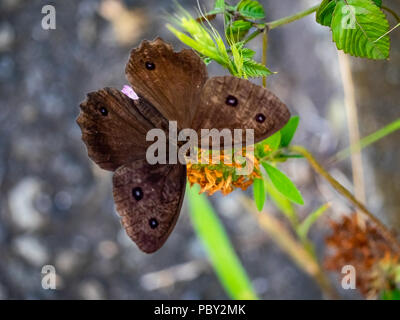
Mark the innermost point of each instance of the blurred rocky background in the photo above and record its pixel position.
(56, 206)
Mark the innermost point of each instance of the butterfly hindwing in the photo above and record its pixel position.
(149, 198)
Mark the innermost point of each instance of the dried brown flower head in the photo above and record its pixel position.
(363, 248)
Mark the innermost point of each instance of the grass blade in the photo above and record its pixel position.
(311, 219)
(368, 140)
(259, 193)
(223, 258)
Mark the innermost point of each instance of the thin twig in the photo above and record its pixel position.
(264, 55)
(392, 241)
(292, 18)
(354, 131)
(280, 22)
(253, 35)
(394, 14)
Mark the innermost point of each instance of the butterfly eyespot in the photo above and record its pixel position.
(150, 65)
(103, 111)
(231, 101)
(260, 118)
(153, 223)
(137, 193)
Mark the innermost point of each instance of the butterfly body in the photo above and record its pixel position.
(170, 86)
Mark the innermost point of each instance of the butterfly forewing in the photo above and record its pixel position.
(112, 129)
(149, 198)
(170, 81)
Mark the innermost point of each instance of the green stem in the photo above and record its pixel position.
(264, 56)
(253, 35)
(280, 22)
(391, 239)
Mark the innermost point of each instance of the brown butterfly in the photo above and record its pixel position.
(171, 86)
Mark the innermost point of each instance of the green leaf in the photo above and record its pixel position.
(251, 9)
(205, 40)
(378, 3)
(206, 60)
(259, 193)
(307, 223)
(212, 12)
(200, 46)
(390, 294)
(223, 258)
(219, 8)
(253, 69)
(283, 184)
(281, 202)
(358, 28)
(273, 143)
(325, 12)
(274, 140)
(247, 53)
(238, 29)
(219, 5)
(289, 130)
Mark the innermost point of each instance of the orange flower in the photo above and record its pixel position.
(220, 174)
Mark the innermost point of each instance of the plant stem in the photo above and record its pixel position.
(280, 22)
(394, 14)
(264, 56)
(253, 35)
(354, 132)
(392, 241)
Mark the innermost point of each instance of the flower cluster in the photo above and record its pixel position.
(363, 248)
(221, 173)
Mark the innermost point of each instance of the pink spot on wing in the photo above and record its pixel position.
(130, 92)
